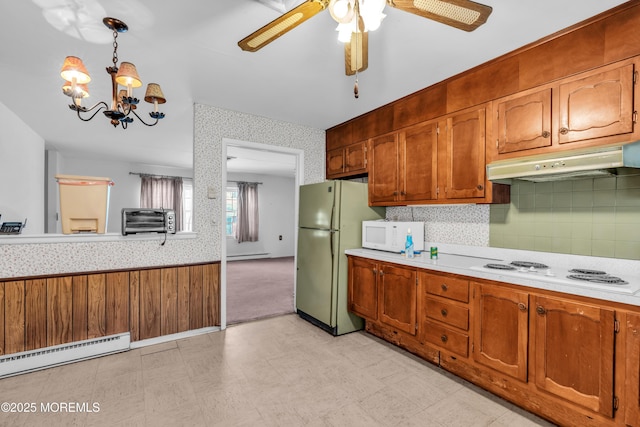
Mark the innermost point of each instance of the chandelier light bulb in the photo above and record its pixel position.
(341, 8)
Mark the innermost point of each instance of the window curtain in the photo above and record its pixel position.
(248, 225)
(162, 193)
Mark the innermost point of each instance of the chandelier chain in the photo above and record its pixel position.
(115, 48)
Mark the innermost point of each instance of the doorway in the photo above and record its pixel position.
(258, 278)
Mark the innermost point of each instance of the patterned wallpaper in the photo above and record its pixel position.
(211, 125)
(460, 225)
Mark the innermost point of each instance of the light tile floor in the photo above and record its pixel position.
(280, 371)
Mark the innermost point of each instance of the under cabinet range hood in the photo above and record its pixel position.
(589, 163)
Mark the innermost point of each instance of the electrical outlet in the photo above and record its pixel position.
(280, 237)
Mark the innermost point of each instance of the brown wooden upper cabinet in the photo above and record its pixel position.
(591, 108)
(347, 161)
(441, 161)
(403, 166)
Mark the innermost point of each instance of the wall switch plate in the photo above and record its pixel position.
(211, 193)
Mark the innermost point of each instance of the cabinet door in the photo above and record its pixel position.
(501, 329)
(420, 145)
(596, 106)
(464, 156)
(363, 288)
(398, 298)
(574, 344)
(383, 169)
(632, 377)
(524, 122)
(335, 162)
(356, 158)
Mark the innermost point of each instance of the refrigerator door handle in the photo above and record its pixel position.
(331, 235)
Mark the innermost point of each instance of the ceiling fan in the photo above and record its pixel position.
(356, 17)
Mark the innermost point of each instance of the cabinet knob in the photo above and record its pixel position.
(480, 187)
(444, 338)
(541, 310)
(546, 134)
(564, 131)
(444, 312)
(444, 287)
(522, 306)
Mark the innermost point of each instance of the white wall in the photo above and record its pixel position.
(276, 204)
(21, 173)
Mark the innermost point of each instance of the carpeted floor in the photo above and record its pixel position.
(259, 288)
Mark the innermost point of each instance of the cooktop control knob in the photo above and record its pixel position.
(549, 273)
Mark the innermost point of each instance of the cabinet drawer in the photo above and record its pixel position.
(443, 337)
(448, 287)
(451, 314)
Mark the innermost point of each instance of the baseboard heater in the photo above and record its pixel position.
(33, 360)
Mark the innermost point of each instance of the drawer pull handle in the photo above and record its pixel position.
(522, 306)
(444, 287)
(444, 338)
(444, 312)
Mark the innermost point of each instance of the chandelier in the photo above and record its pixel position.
(123, 103)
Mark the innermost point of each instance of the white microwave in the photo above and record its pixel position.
(391, 235)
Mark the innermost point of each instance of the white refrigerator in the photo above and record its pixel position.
(330, 222)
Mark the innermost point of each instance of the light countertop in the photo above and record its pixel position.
(469, 261)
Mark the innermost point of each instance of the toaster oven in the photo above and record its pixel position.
(137, 220)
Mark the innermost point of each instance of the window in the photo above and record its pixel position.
(187, 205)
(232, 211)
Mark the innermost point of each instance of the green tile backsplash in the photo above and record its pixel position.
(598, 217)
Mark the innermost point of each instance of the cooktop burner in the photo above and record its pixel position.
(599, 277)
(527, 264)
(586, 271)
(500, 266)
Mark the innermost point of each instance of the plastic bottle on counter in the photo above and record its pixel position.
(408, 246)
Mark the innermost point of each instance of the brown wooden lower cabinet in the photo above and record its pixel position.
(46, 311)
(563, 357)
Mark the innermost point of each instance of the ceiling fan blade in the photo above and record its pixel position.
(463, 14)
(282, 25)
(356, 53)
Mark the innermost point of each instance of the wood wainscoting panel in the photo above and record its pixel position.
(117, 302)
(59, 310)
(134, 305)
(14, 317)
(169, 301)
(183, 299)
(150, 305)
(211, 294)
(80, 308)
(196, 304)
(35, 314)
(2, 344)
(96, 294)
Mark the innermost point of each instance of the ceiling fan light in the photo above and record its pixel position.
(373, 7)
(372, 22)
(344, 32)
(73, 68)
(341, 11)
